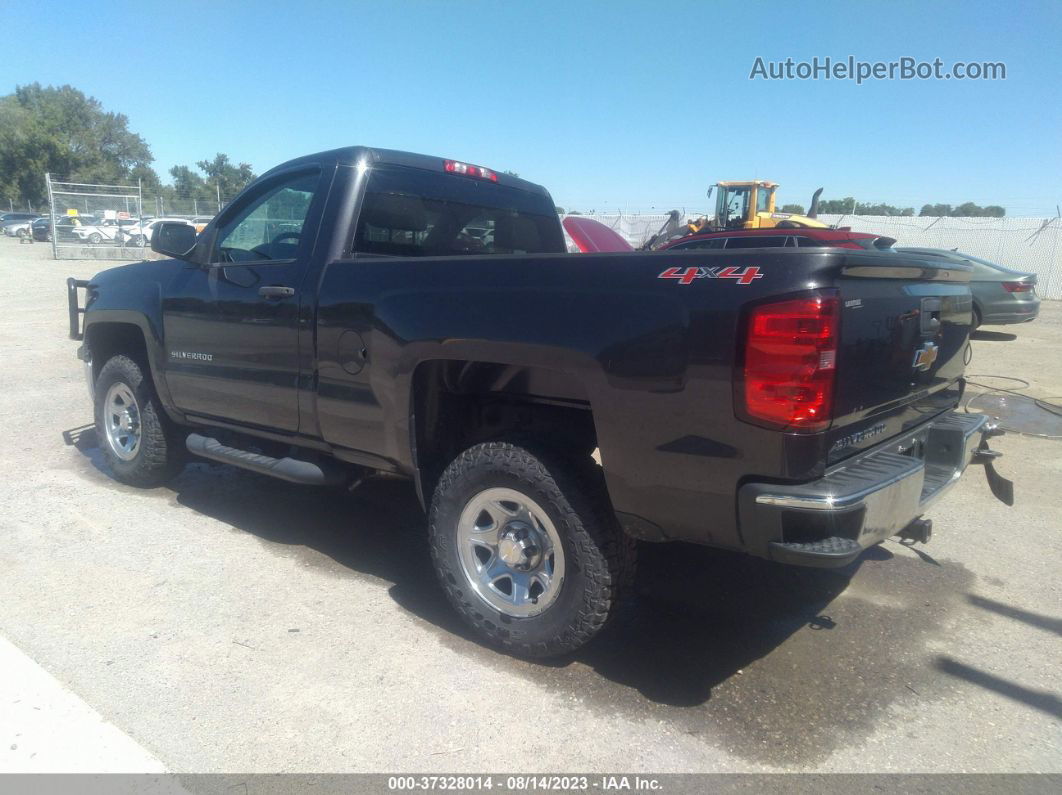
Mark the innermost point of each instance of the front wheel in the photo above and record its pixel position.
(95, 238)
(138, 440)
(527, 548)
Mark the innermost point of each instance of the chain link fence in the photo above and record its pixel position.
(1024, 244)
(93, 221)
(89, 221)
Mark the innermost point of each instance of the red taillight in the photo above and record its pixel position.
(457, 167)
(790, 362)
(1017, 287)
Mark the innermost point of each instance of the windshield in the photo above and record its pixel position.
(411, 212)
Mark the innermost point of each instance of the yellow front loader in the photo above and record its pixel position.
(750, 205)
(738, 205)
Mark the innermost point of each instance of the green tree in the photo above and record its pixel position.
(188, 184)
(849, 205)
(882, 209)
(796, 209)
(935, 209)
(964, 210)
(62, 131)
(222, 174)
(837, 206)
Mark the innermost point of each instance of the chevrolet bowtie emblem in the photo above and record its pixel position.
(925, 356)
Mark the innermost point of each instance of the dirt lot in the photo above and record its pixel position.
(234, 623)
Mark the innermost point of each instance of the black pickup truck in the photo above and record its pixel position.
(365, 311)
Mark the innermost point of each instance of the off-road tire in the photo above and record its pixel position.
(161, 454)
(599, 556)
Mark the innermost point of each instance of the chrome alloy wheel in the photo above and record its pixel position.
(121, 421)
(510, 552)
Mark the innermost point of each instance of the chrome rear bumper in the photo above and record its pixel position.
(863, 501)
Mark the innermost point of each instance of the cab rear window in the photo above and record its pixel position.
(409, 212)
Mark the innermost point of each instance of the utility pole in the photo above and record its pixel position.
(218, 185)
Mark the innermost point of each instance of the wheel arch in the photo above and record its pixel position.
(109, 333)
(456, 403)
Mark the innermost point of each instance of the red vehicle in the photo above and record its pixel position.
(777, 238)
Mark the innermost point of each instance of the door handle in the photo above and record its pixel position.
(276, 291)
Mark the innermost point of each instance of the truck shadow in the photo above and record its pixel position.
(699, 614)
(992, 336)
(780, 665)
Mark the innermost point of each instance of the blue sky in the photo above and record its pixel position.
(613, 105)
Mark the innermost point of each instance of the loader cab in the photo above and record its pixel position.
(744, 205)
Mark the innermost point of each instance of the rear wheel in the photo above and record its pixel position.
(138, 440)
(976, 317)
(527, 549)
(95, 238)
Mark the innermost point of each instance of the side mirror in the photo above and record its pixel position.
(173, 239)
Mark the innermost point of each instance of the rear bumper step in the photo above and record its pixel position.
(859, 503)
(290, 469)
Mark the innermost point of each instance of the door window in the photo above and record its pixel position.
(269, 228)
(762, 197)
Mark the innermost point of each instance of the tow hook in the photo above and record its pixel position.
(1002, 488)
(919, 531)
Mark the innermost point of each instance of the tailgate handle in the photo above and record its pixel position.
(930, 317)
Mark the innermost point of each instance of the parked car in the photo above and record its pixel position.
(65, 225)
(41, 229)
(108, 230)
(15, 216)
(17, 228)
(139, 234)
(776, 237)
(1000, 295)
(419, 317)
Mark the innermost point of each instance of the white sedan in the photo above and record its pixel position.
(139, 235)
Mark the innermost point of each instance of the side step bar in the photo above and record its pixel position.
(290, 469)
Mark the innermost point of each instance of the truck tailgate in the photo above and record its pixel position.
(904, 331)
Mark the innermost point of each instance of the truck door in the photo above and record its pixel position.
(231, 327)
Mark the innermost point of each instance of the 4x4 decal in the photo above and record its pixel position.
(688, 275)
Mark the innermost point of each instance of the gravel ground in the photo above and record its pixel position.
(230, 622)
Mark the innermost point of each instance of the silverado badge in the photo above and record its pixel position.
(925, 356)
